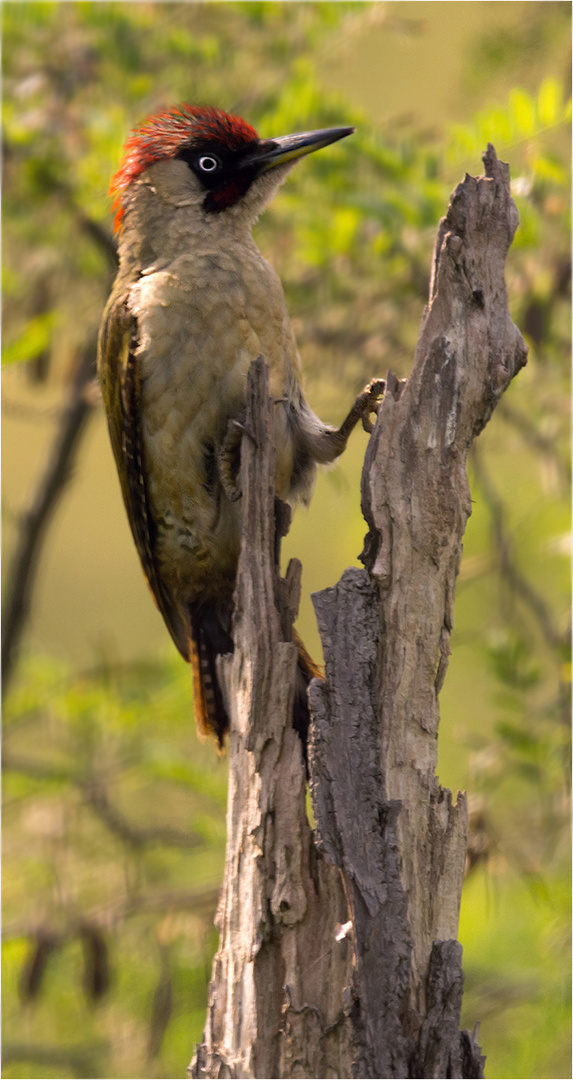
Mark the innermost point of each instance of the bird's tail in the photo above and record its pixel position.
(210, 640)
(306, 670)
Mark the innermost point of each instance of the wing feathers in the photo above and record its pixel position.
(121, 388)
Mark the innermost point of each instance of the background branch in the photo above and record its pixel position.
(35, 522)
(508, 568)
(95, 795)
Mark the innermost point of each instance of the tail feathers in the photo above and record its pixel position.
(210, 640)
(307, 665)
(306, 670)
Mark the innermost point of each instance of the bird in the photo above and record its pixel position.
(193, 304)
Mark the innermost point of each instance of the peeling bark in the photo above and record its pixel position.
(275, 1006)
(338, 954)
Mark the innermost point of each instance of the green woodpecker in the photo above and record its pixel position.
(194, 302)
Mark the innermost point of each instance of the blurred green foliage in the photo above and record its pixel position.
(114, 813)
(114, 823)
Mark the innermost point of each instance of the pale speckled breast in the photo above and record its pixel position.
(201, 323)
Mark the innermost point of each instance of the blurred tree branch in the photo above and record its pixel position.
(95, 795)
(35, 522)
(508, 568)
(79, 1062)
(53, 184)
(88, 225)
(134, 836)
(200, 901)
(526, 427)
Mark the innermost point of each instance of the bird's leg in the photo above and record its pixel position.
(366, 403)
(329, 443)
(229, 459)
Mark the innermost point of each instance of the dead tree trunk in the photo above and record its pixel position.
(338, 954)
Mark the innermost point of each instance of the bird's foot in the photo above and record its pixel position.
(229, 458)
(229, 461)
(369, 401)
(244, 430)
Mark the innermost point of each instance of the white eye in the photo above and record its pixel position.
(208, 164)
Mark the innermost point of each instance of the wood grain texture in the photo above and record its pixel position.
(338, 954)
(275, 1002)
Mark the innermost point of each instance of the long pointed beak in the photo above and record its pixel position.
(273, 152)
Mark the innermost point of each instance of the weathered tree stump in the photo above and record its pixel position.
(338, 954)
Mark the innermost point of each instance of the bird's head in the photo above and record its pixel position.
(200, 156)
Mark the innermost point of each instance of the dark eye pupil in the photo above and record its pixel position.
(208, 164)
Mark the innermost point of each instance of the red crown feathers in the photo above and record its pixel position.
(161, 136)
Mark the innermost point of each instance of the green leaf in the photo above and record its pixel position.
(34, 340)
(523, 109)
(549, 101)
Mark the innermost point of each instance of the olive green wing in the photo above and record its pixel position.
(121, 390)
